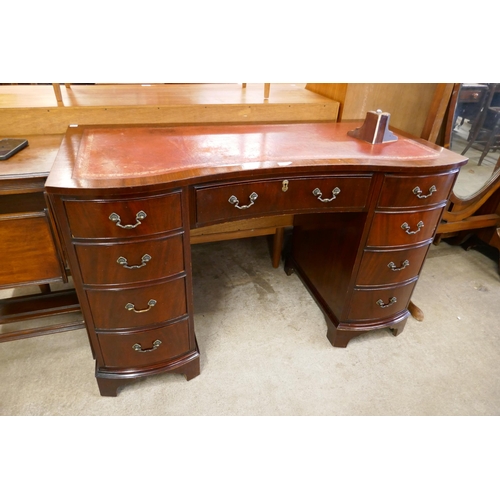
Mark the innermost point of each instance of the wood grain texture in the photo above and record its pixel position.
(34, 110)
(408, 103)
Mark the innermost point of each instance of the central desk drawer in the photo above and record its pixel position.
(116, 263)
(237, 200)
(124, 218)
(139, 306)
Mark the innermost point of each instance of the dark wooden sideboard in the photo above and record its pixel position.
(29, 248)
(125, 198)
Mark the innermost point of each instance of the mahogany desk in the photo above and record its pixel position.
(125, 198)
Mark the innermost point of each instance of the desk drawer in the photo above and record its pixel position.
(139, 306)
(387, 267)
(145, 348)
(139, 216)
(229, 201)
(403, 191)
(403, 228)
(380, 303)
(130, 262)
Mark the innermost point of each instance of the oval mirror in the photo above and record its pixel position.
(475, 131)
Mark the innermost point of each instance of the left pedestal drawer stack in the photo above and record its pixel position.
(130, 256)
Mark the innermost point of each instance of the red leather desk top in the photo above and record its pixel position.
(125, 152)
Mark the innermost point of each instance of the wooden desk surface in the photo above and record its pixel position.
(35, 160)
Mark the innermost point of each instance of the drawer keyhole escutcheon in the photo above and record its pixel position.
(234, 201)
(392, 300)
(317, 192)
(406, 227)
(393, 267)
(131, 307)
(418, 192)
(140, 216)
(138, 347)
(123, 262)
(284, 186)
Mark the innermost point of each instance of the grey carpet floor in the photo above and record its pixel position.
(264, 350)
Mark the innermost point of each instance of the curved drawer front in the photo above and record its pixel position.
(228, 201)
(395, 266)
(145, 348)
(380, 303)
(403, 191)
(124, 219)
(137, 307)
(130, 262)
(403, 228)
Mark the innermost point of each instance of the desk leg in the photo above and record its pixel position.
(337, 336)
(109, 384)
(278, 239)
(340, 337)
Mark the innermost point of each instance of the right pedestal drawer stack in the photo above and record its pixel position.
(407, 214)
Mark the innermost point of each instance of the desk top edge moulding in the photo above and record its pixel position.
(124, 200)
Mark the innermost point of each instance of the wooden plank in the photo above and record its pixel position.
(43, 96)
(231, 235)
(408, 103)
(240, 225)
(475, 222)
(56, 120)
(42, 330)
(437, 112)
(27, 307)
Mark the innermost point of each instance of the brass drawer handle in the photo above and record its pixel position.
(381, 304)
(317, 192)
(406, 227)
(393, 267)
(123, 262)
(140, 216)
(138, 347)
(418, 192)
(131, 307)
(234, 201)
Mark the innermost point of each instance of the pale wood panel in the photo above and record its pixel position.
(437, 112)
(335, 91)
(169, 94)
(241, 229)
(28, 109)
(408, 103)
(242, 225)
(56, 120)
